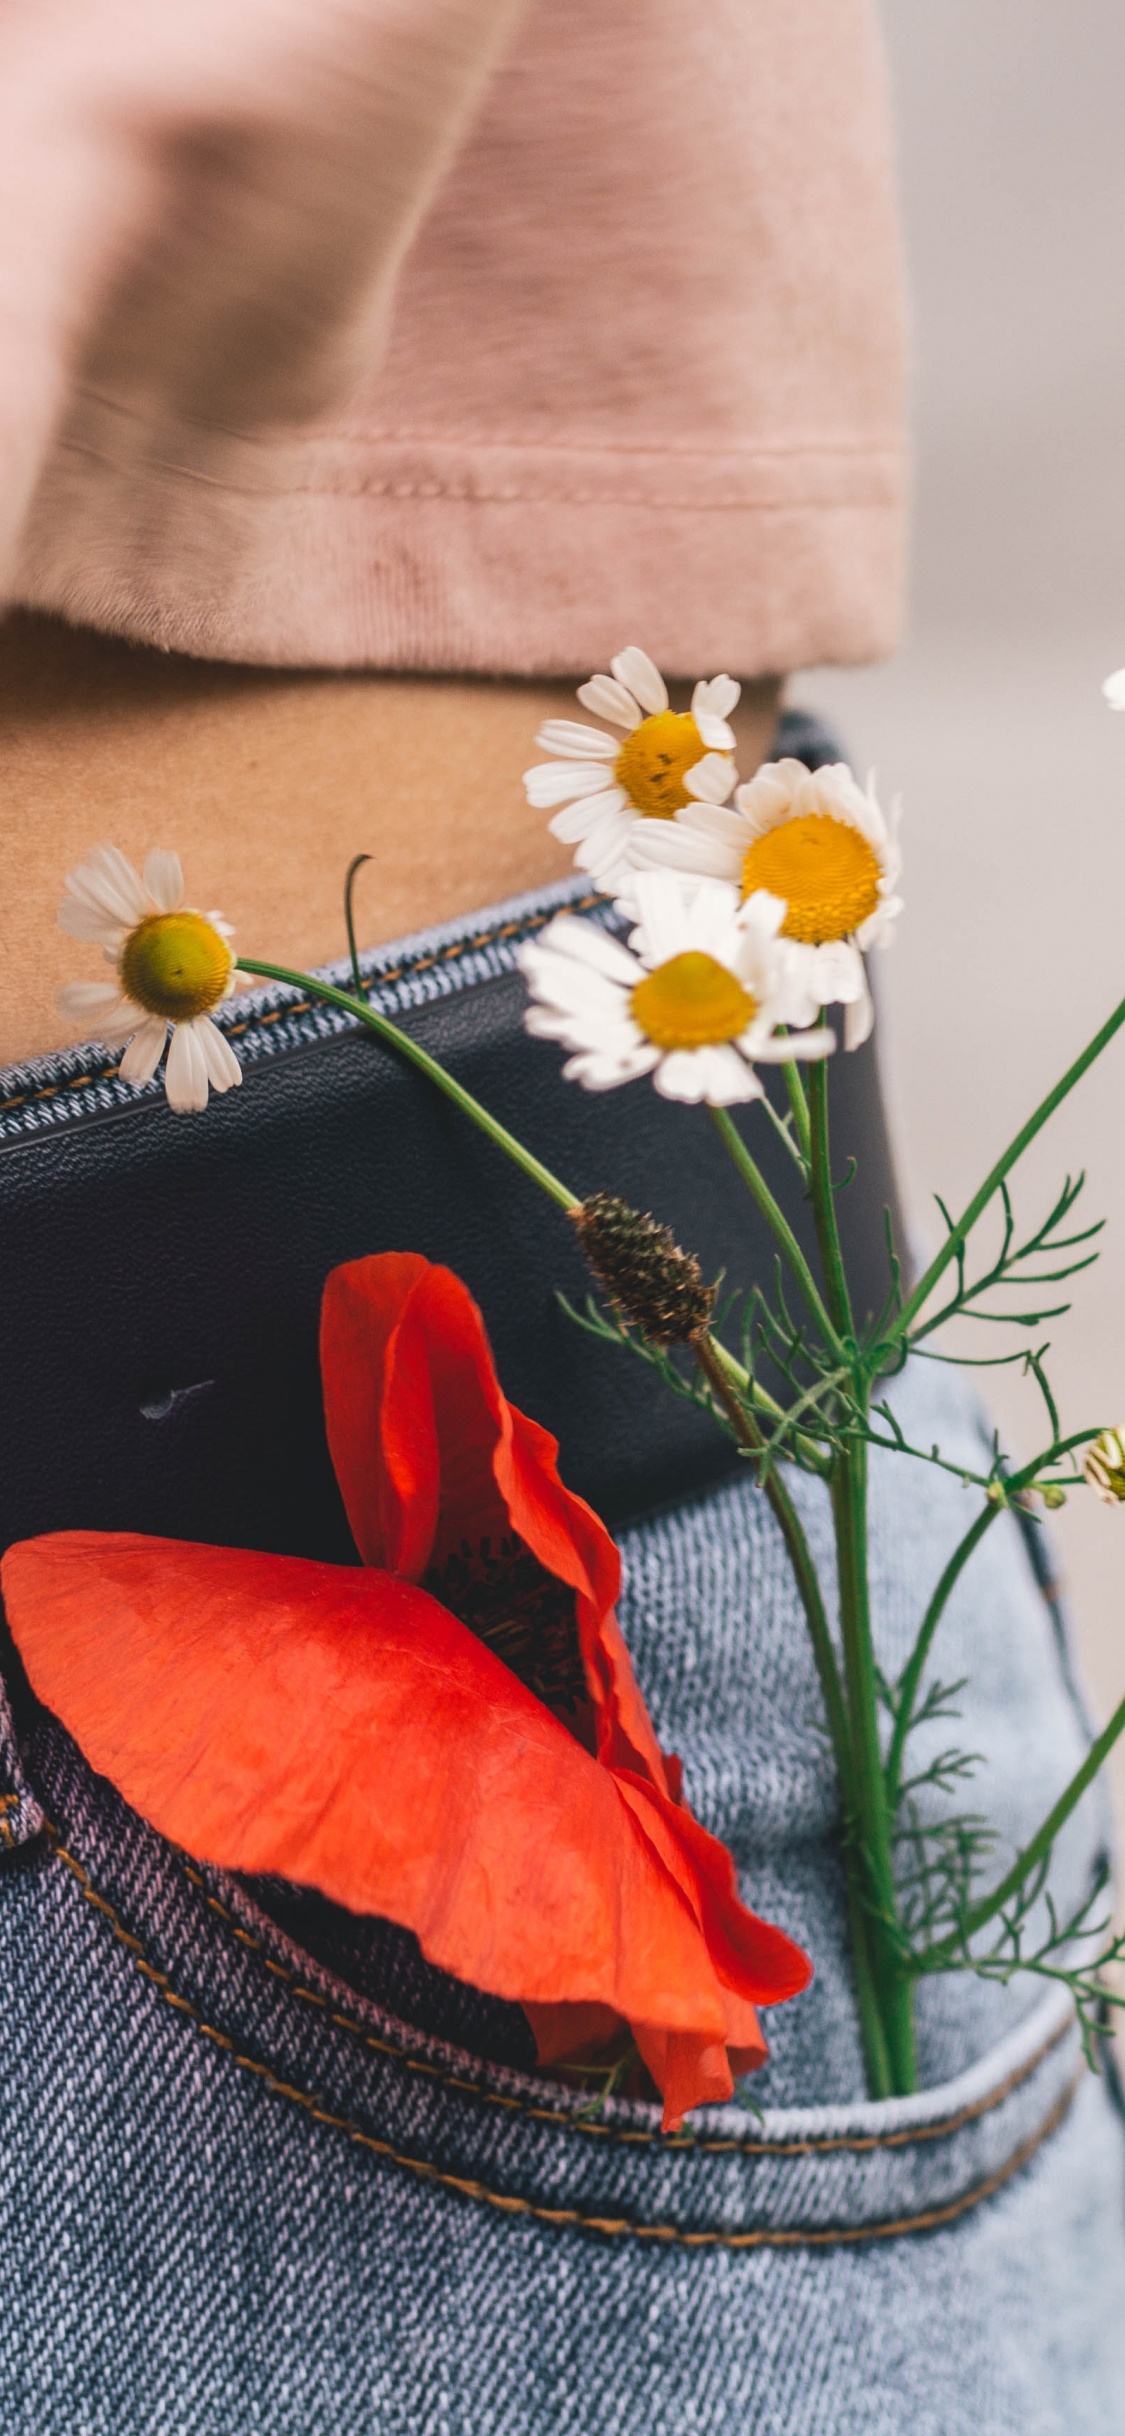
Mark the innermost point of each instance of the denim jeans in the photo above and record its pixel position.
(263, 2169)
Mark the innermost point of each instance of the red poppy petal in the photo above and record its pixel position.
(428, 1453)
(360, 1314)
(688, 2070)
(756, 1961)
(565, 1533)
(386, 1319)
(566, 2033)
(413, 1410)
(339, 1727)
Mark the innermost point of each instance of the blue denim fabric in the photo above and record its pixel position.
(262, 2169)
(241, 2195)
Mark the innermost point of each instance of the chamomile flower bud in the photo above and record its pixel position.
(646, 1275)
(1104, 1467)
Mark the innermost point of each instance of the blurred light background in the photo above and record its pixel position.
(991, 722)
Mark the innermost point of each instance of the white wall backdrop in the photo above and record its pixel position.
(1012, 139)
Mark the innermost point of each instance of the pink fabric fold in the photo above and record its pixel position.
(450, 334)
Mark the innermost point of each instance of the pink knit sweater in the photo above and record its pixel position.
(452, 334)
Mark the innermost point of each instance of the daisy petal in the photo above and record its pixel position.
(839, 975)
(1114, 690)
(609, 700)
(603, 850)
(81, 998)
(90, 923)
(715, 697)
(859, 1018)
(560, 782)
(185, 1074)
(763, 914)
(674, 917)
(223, 1069)
(780, 1048)
(550, 1023)
(878, 930)
(144, 1052)
(586, 1001)
(634, 669)
(711, 779)
(715, 732)
(590, 945)
(107, 883)
(577, 819)
(716, 820)
(602, 1070)
(577, 742)
(768, 797)
(676, 846)
(693, 1075)
(726, 1077)
(164, 880)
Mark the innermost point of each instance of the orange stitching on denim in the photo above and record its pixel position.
(308, 1006)
(615, 2227)
(857, 2144)
(8, 1801)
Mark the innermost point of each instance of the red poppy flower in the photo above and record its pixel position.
(451, 1737)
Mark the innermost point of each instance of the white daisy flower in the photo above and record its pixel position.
(668, 759)
(173, 966)
(1114, 690)
(819, 841)
(694, 1000)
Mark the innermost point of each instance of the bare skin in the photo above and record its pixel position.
(266, 782)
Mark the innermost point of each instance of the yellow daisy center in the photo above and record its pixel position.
(176, 965)
(692, 1002)
(824, 869)
(653, 760)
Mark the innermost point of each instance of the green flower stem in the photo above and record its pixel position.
(959, 1234)
(912, 1672)
(708, 1354)
(911, 1677)
(417, 1056)
(883, 1990)
(800, 1107)
(878, 2061)
(779, 1225)
(873, 1821)
(749, 1391)
(874, 1862)
(354, 868)
(948, 1951)
(824, 1204)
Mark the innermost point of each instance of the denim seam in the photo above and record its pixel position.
(575, 2219)
(773, 2237)
(859, 2144)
